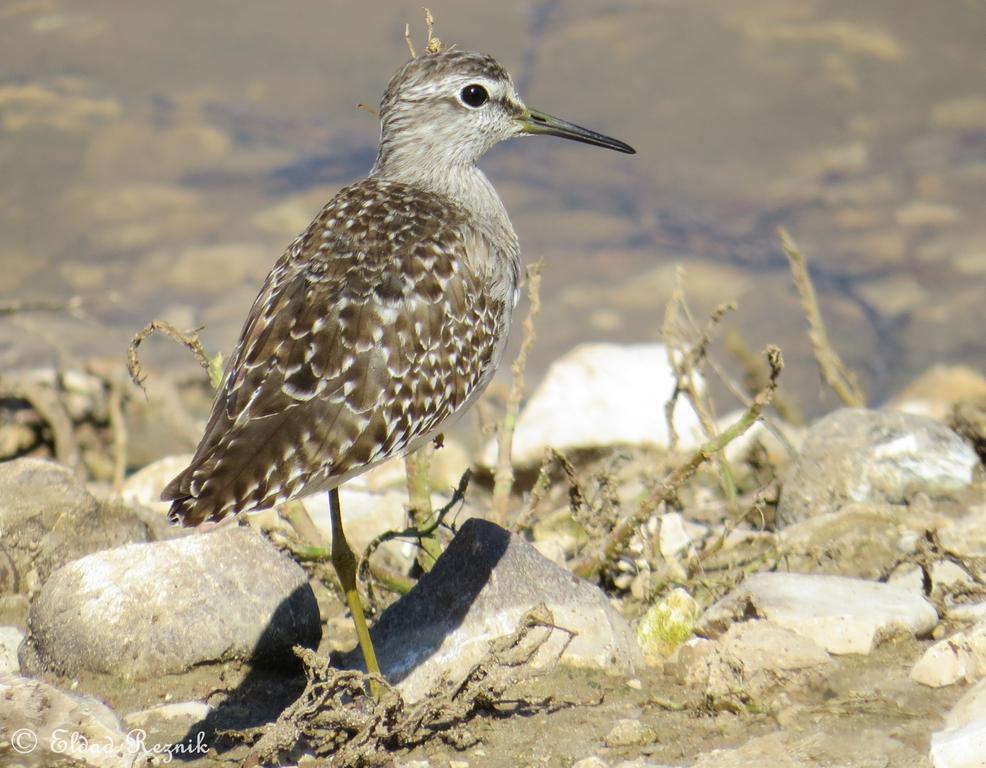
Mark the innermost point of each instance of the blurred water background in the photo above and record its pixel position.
(156, 157)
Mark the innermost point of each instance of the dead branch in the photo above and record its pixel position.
(337, 719)
(48, 405)
(432, 45)
(407, 39)
(684, 360)
(503, 476)
(614, 543)
(833, 371)
(417, 467)
(118, 425)
(71, 306)
(418, 533)
(212, 365)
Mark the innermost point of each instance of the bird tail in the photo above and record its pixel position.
(188, 509)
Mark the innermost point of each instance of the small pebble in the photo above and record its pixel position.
(629, 733)
(591, 762)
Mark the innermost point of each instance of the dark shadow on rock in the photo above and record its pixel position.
(413, 629)
(407, 634)
(275, 680)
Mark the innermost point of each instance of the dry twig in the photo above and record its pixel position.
(337, 720)
(433, 44)
(48, 405)
(417, 467)
(212, 365)
(830, 365)
(614, 543)
(684, 359)
(118, 424)
(503, 476)
(72, 306)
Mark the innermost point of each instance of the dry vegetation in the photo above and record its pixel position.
(614, 542)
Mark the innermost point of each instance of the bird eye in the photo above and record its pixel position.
(474, 96)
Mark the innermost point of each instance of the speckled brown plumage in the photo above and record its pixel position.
(388, 316)
(373, 328)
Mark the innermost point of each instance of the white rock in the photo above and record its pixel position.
(599, 395)
(591, 762)
(551, 549)
(48, 518)
(962, 743)
(841, 615)
(144, 486)
(47, 726)
(640, 763)
(971, 707)
(673, 538)
(190, 711)
(963, 747)
(10, 640)
(365, 514)
(959, 657)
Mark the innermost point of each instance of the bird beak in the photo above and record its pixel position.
(536, 122)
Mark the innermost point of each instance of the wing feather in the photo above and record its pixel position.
(359, 343)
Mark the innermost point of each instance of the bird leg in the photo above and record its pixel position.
(344, 561)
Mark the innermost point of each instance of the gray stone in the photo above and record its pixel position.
(752, 656)
(966, 536)
(478, 591)
(763, 647)
(145, 610)
(629, 732)
(10, 640)
(48, 518)
(839, 614)
(855, 455)
(47, 727)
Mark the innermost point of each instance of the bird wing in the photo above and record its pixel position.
(364, 337)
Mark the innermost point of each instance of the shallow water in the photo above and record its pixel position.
(157, 157)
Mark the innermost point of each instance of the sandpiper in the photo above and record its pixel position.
(385, 319)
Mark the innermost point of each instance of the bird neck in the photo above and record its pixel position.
(461, 182)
